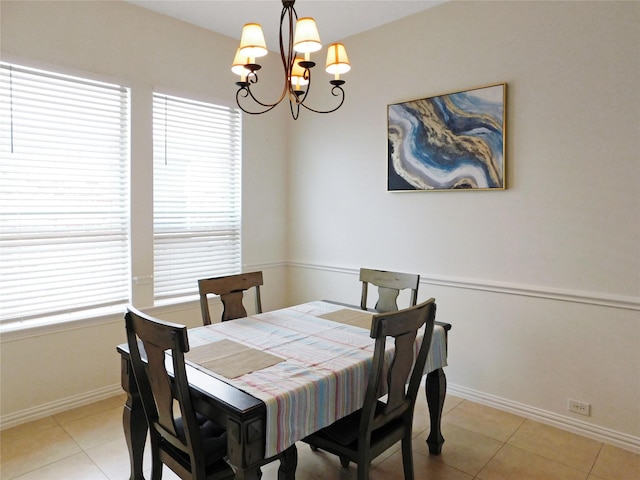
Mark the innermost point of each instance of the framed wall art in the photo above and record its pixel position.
(448, 142)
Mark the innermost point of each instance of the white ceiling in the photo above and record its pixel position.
(336, 19)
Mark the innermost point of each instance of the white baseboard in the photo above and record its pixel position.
(58, 406)
(579, 427)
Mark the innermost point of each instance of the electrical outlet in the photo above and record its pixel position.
(579, 407)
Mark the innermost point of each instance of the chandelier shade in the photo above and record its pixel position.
(304, 39)
(238, 66)
(252, 43)
(297, 74)
(337, 60)
(307, 38)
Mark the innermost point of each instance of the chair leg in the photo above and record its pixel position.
(407, 457)
(156, 469)
(363, 470)
(156, 463)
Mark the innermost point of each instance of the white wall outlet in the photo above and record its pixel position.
(579, 407)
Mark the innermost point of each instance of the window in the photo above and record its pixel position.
(64, 199)
(196, 191)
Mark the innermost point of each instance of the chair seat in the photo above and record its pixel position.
(214, 436)
(214, 442)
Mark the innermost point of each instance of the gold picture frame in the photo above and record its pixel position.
(454, 141)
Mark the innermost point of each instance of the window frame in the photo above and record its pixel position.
(46, 78)
(206, 229)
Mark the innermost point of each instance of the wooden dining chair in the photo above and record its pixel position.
(389, 285)
(189, 444)
(379, 424)
(230, 289)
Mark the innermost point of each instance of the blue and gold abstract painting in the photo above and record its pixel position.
(453, 141)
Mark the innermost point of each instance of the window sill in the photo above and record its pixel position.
(70, 321)
(12, 331)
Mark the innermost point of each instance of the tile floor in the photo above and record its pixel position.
(482, 443)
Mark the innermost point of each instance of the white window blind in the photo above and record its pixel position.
(63, 194)
(196, 191)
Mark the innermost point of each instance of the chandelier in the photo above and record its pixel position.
(296, 64)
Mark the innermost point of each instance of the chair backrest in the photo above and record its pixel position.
(403, 372)
(389, 285)
(158, 390)
(230, 289)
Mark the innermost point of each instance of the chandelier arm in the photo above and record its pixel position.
(288, 58)
(245, 92)
(287, 61)
(249, 93)
(300, 99)
(295, 113)
(336, 88)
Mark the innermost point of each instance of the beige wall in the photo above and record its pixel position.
(50, 368)
(540, 281)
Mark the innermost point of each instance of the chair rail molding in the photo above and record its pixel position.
(506, 288)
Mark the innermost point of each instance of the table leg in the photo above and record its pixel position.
(133, 421)
(435, 389)
(288, 464)
(245, 448)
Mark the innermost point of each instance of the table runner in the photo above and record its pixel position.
(324, 376)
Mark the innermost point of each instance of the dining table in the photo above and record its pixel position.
(274, 378)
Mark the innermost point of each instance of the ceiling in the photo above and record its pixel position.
(336, 19)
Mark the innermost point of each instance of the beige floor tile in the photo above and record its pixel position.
(463, 449)
(451, 402)
(424, 467)
(559, 445)
(388, 453)
(69, 416)
(24, 454)
(313, 466)
(26, 429)
(268, 471)
(485, 420)
(96, 429)
(167, 474)
(75, 467)
(113, 458)
(617, 464)
(421, 420)
(512, 463)
(51, 449)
